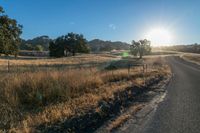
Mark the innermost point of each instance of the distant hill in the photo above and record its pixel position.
(192, 48)
(32, 44)
(97, 45)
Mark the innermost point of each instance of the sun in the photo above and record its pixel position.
(159, 37)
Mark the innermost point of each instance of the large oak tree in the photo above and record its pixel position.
(142, 47)
(69, 44)
(10, 32)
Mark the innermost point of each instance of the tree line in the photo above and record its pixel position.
(41, 43)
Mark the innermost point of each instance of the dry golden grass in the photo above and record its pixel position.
(79, 59)
(124, 117)
(34, 98)
(192, 57)
(82, 101)
(120, 120)
(40, 88)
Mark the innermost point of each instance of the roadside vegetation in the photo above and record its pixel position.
(194, 58)
(33, 98)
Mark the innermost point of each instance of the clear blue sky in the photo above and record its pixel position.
(122, 20)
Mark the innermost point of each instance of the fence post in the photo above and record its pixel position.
(8, 67)
(129, 66)
(146, 68)
(144, 74)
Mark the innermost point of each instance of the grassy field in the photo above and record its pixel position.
(39, 91)
(22, 64)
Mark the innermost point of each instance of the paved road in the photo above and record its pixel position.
(180, 111)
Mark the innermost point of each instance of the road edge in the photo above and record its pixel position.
(141, 116)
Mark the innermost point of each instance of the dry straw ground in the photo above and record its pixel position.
(31, 98)
(195, 58)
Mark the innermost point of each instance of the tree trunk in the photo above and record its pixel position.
(140, 56)
(73, 53)
(16, 55)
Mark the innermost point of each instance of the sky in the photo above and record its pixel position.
(115, 20)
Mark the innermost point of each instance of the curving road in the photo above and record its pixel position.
(180, 111)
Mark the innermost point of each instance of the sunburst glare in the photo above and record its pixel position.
(159, 36)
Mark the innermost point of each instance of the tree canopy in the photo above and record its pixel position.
(10, 32)
(142, 47)
(69, 44)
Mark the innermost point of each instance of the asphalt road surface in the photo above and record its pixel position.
(180, 111)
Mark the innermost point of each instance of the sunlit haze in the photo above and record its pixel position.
(159, 36)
